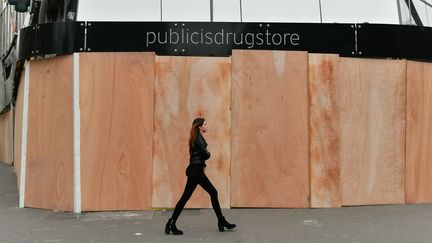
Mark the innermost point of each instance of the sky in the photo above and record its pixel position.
(346, 11)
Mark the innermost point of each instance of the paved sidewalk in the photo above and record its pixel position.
(377, 224)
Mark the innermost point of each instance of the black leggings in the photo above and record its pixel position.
(196, 177)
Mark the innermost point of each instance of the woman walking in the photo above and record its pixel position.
(195, 172)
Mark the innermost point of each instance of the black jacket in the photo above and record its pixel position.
(198, 151)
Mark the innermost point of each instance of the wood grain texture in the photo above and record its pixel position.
(49, 182)
(18, 129)
(6, 137)
(270, 164)
(189, 87)
(372, 117)
(419, 133)
(3, 137)
(324, 129)
(116, 94)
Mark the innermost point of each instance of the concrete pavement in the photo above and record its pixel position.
(380, 224)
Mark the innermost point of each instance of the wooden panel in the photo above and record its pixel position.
(3, 137)
(324, 131)
(49, 182)
(18, 129)
(188, 87)
(6, 130)
(116, 94)
(3, 123)
(372, 116)
(419, 133)
(9, 144)
(269, 150)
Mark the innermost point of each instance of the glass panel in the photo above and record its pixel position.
(348, 11)
(355, 11)
(226, 10)
(124, 10)
(422, 10)
(186, 10)
(405, 16)
(429, 16)
(280, 11)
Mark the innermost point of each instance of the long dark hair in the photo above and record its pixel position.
(197, 122)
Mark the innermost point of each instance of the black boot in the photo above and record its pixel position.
(223, 223)
(170, 226)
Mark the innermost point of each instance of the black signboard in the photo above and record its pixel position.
(396, 41)
(218, 39)
(57, 38)
(60, 38)
(419, 43)
(379, 40)
(26, 44)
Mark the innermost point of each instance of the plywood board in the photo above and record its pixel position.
(419, 133)
(270, 164)
(9, 140)
(6, 139)
(3, 137)
(324, 129)
(372, 117)
(189, 87)
(116, 102)
(49, 182)
(18, 130)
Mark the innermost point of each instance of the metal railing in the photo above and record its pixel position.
(10, 23)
